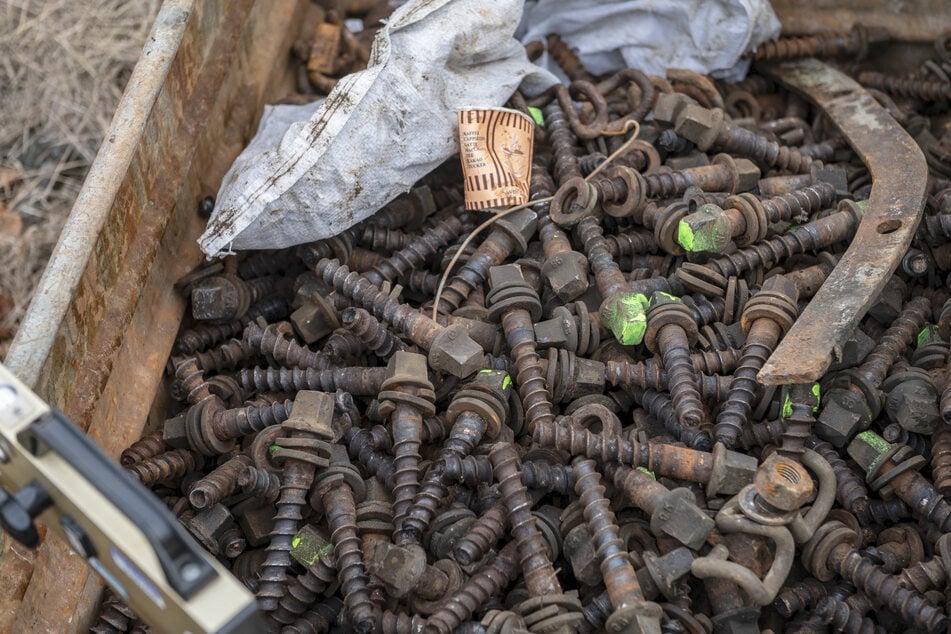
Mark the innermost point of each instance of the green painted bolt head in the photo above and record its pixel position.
(867, 449)
(707, 230)
(929, 334)
(309, 546)
(625, 315)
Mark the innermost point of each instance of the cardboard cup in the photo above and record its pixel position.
(495, 146)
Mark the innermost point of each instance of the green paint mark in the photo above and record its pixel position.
(273, 448)
(928, 335)
(310, 549)
(295, 542)
(506, 382)
(816, 393)
(787, 408)
(685, 236)
(862, 207)
(647, 471)
(537, 115)
(672, 298)
(875, 441)
(626, 317)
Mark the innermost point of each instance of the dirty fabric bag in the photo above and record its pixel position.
(706, 36)
(378, 132)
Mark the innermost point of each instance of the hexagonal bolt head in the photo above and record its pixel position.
(521, 225)
(844, 414)
(219, 297)
(707, 230)
(700, 125)
(310, 546)
(554, 332)
(399, 568)
(454, 352)
(912, 401)
(256, 522)
(567, 274)
(313, 413)
(587, 378)
(867, 448)
(678, 516)
(832, 174)
(783, 483)
(731, 471)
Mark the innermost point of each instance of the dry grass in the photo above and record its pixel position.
(63, 65)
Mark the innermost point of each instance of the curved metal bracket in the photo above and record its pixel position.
(899, 181)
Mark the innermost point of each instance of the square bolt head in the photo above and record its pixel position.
(678, 516)
(397, 567)
(668, 106)
(313, 322)
(667, 570)
(551, 333)
(625, 315)
(731, 471)
(707, 230)
(313, 412)
(738, 621)
(890, 301)
(694, 159)
(174, 434)
(854, 351)
(700, 125)
(309, 546)
(584, 561)
(495, 381)
(747, 175)
(210, 523)
(405, 366)
(567, 274)
(835, 175)
(588, 378)
(521, 225)
(505, 275)
(256, 524)
(843, 415)
(640, 617)
(454, 352)
(218, 298)
(867, 448)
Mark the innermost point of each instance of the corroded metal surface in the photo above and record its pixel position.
(895, 205)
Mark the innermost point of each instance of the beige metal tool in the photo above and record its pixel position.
(51, 471)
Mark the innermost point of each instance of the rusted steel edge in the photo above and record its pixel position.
(34, 340)
(899, 180)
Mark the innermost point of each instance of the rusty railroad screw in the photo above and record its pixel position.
(406, 396)
(301, 452)
(314, 552)
(450, 348)
(671, 332)
(516, 304)
(547, 606)
(219, 484)
(849, 409)
(830, 44)
(227, 297)
(768, 315)
(832, 551)
(746, 218)
(477, 411)
(632, 613)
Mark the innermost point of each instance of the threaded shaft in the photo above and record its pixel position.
(661, 407)
(832, 44)
(899, 336)
(799, 596)
(259, 483)
(144, 448)
(483, 534)
(566, 59)
(303, 590)
(406, 423)
(537, 568)
(520, 335)
(297, 479)
(422, 247)
(360, 448)
(114, 615)
(843, 618)
(760, 343)
(377, 338)
(377, 238)
(417, 326)
(941, 460)
(219, 484)
(170, 465)
(319, 620)
(241, 421)
(608, 276)
(616, 569)
(682, 379)
(802, 202)
(562, 141)
(341, 513)
(883, 588)
(908, 88)
(494, 250)
(276, 342)
(356, 381)
(227, 356)
(742, 142)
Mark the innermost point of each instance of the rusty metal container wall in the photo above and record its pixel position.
(915, 21)
(96, 336)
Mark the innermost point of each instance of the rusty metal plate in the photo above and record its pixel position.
(899, 182)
